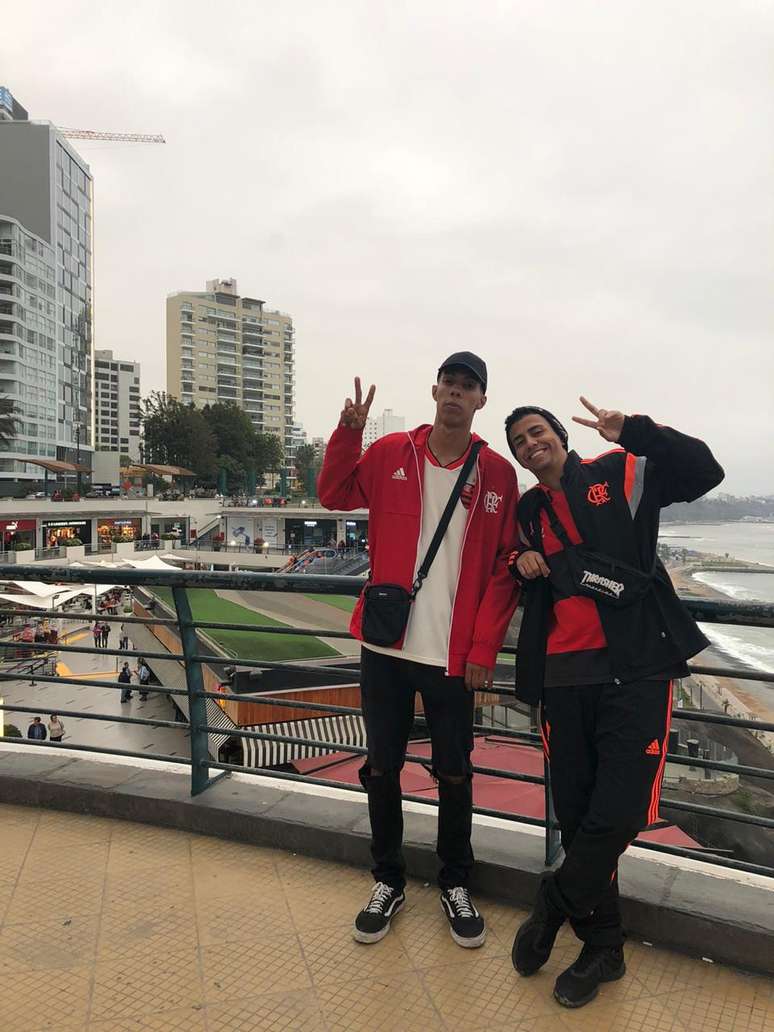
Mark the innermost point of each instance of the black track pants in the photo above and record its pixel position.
(607, 748)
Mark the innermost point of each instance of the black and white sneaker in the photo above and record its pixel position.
(466, 925)
(373, 921)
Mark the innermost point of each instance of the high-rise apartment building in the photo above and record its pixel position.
(45, 292)
(223, 347)
(117, 405)
(380, 426)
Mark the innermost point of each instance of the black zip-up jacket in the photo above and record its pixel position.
(616, 501)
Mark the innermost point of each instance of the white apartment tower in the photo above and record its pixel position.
(224, 347)
(117, 405)
(380, 426)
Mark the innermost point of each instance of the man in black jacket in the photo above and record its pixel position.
(602, 637)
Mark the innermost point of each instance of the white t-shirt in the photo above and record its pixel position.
(429, 623)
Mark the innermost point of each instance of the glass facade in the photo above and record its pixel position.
(28, 344)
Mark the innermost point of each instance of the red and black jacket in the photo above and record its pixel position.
(387, 479)
(615, 501)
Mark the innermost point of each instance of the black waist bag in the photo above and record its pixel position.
(386, 607)
(608, 581)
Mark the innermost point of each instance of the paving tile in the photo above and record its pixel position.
(150, 924)
(55, 897)
(386, 1004)
(189, 1019)
(486, 994)
(146, 982)
(46, 944)
(425, 937)
(228, 919)
(243, 970)
(332, 953)
(275, 1012)
(28, 1003)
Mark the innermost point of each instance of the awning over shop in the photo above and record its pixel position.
(156, 469)
(343, 729)
(57, 466)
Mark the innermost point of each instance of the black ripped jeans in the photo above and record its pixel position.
(388, 688)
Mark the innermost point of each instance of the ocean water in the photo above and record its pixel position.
(751, 647)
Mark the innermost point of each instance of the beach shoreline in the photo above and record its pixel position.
(730, 695)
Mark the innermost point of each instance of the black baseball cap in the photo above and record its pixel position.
(467, 360)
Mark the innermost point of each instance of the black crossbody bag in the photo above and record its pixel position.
(386, 607)
(608, 581)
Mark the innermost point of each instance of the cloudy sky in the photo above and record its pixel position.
(580, 192)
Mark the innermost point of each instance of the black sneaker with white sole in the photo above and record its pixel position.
(373, 921)
(466, 925)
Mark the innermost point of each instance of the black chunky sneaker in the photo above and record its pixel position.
(580, 983)
(535, 939)
(373, 921)
(466, 925)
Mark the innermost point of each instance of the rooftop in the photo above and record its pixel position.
(109, 926)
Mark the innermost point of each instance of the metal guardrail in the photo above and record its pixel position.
(191, 654)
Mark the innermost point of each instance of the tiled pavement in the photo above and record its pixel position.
(111, 927)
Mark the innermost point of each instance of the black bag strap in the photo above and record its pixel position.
(555, 523)
(448, 512)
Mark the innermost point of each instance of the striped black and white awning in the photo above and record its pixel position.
(343, 729)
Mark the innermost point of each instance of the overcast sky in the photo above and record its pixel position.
(579, 192)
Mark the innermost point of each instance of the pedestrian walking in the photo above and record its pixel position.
(602, 637)
(123, 640)
(37, 730)
(105, 634)
(55, 728)
(442, 509)
(143, 676)
(97, 633)
(125, 677)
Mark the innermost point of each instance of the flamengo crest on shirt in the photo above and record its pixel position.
(399, 474)
(598, 494)
(492, 501)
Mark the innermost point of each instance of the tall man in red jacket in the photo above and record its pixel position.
(456, 626)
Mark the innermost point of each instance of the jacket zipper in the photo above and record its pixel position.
(462, 554)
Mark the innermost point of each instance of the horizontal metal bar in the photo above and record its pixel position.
(731, 768)
(75, 616)
(357, 750)
(316, 632)
(102, 750)
(268, 664)
(705, 857)
(710, 811)
(702, 717)
(738, 673)
(327, 584)
(109, 718)
(45, 647)
(282, 775)
(48, 679)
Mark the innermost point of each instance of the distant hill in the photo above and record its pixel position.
(720, 509)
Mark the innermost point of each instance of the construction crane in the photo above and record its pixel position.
(90, 134)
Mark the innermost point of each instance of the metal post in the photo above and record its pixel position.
(197, 705)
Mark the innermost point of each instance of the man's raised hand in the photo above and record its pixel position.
(355, 413)
(607, 423)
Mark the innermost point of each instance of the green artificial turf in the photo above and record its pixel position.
(206, 605)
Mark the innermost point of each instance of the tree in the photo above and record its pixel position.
(9, 424)
(306, 466)
(241, 450)
(178, 435)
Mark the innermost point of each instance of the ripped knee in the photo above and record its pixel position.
(452, 779)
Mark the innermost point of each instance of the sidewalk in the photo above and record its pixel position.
(87, 697)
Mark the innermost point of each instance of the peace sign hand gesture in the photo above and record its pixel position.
(355, 413)
(608, 423)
